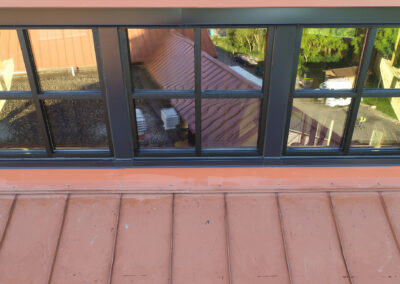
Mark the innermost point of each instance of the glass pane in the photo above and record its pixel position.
(166, 123)
(233, 59)
(377, 123)
(329, 58)
(230, 122)
(162, 58)
(384, 68)
(65, 59)
(12, 68)
(18, 125)
(77, 123)
(318, 122)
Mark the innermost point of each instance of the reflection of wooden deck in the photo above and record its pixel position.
(203, 225)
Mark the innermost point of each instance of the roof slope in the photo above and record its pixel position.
(175, 238)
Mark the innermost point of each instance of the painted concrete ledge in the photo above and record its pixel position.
(195, 3)
(199, 180)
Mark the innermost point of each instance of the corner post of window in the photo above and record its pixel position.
(281, 85)
(27, 55)
(107, 44)
(197, 87)
(359, 87)
(265, 87)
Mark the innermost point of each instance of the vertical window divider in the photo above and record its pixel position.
(27, 55)
(102, 88)
(126, 66)
(283, 69)
(197, 87)
(362, 75)
(115, 92)
(265, 88)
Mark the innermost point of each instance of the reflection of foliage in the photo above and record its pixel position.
(329, 45)
(382, 104)
(385, 41)
(248, 41)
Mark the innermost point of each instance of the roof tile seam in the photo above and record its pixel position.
(113, 254)
(227, 239)
(340, 238)
(283, 236)
(53, 263)
(10, 213)
(171, 256)
(389, 220)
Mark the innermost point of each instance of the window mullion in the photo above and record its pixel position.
(265, 88)
(197, 87)
(362, 75)
(34, 85)
(117, 99)
(282, 78)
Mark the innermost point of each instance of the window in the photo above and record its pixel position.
(235, 92)
(51, 93)
(345, 91)
(197, 89)
(377, 124)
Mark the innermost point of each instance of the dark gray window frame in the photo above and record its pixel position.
(198, 94)
(108, 24)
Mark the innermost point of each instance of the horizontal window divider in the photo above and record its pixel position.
(374, 151)
(343, 160)
(197, 160)
(234, 94)
(16, 96)
(323, 94)
(230, 152)
(71, 95)
(104, 152)
(22, 152)
(320, 151)
(140, 17)
(152, 94)
(166, 152)
(384, 93)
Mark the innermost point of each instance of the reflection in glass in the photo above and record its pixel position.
(18, 125)
(12, 68)
(162, 58)
(377, 123)
(316, 123)
(329, 58)
(230, 122)
(166, 123)
(384, 68)
(77, 123)
(233, 58)
(65, 59)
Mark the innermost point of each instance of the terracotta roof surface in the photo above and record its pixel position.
(53, 233)
(201, 238)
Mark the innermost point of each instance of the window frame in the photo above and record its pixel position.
(356, 94)
(108, 25)
(198, 94)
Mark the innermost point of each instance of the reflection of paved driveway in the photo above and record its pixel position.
(376, 120)
(379, 122)
(323, 114)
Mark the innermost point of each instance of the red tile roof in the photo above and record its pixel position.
(203, 225)
(309, 237)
